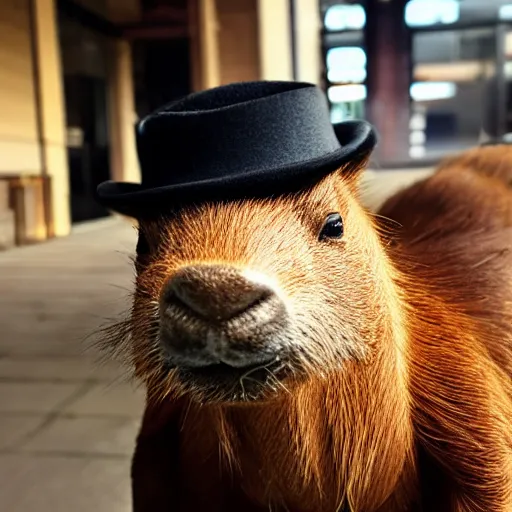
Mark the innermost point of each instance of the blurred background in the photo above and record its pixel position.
(75, 75)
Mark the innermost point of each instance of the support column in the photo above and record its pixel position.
(308, 41)
(209, 43)
(204, 42)
(52, 113)
(124, 163)
(195, 55)
(388, 47)
(274, 26)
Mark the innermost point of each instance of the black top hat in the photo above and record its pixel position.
(241, 140)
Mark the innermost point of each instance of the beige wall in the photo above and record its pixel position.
(238, 40)
(19, 148)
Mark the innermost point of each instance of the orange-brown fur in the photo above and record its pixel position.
(405, 402)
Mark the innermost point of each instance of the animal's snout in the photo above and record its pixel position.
(215, 314)
(214, 293)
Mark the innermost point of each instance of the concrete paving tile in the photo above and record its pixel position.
(58, 369)
(34, 397)
(80, 435)
(69, 337)
(115, 400)
(14, 428)
(58, 484)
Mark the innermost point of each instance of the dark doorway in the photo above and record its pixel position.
(84, 55)
(163, 73)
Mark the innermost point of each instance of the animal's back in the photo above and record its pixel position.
(455, 229)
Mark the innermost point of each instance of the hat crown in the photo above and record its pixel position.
(233, 129)
(239, 141)
(228, 96)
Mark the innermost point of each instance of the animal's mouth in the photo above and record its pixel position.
(225, 372)
(243, 358)
(222, 382)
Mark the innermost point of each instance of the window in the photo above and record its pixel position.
(347, 102)
(345, 60)
(424, 13)
(451, 91)
(346, 65)
(505, 12)
(432, 91)
(346, 93)
(345, 17)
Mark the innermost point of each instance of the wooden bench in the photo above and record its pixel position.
(29, 198)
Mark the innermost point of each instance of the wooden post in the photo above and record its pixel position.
(195, 51)
(274, 26)
(122, 118)
(204, 43)
(50, 98)
(308, 40)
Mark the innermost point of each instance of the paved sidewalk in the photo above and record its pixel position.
(67, 424)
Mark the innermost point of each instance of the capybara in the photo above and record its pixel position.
(301, 354)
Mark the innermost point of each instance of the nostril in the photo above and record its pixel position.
(214, 292)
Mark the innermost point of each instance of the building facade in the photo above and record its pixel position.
(432, 75)
(77, 74)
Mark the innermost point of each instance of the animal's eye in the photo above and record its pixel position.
(333, 227)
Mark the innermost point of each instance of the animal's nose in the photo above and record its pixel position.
(214, 292)
(216, 314)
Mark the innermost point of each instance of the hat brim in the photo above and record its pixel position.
(356, 138)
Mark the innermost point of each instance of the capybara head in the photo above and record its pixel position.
(237, 301)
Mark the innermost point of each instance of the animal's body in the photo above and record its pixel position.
(385, 375)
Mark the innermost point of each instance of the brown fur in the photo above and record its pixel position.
(401, 399)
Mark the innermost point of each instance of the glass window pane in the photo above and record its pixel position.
(484, 10)
(505, 12)
(432, 91)
(346, 65)
(345, 17)
(347, 102)
(423, 13)
(453, 75)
